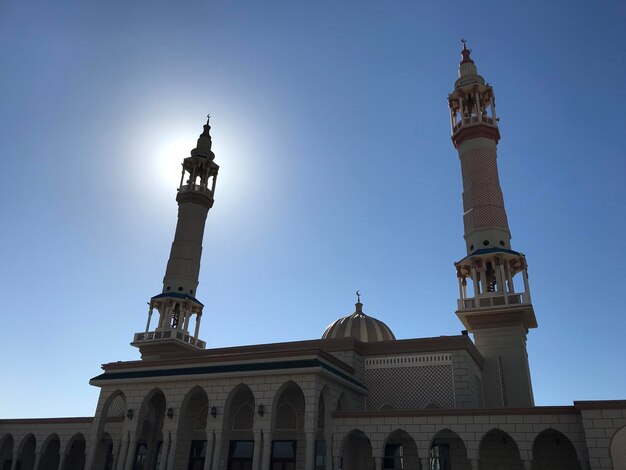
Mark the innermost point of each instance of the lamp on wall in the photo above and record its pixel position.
(214, 411)
(261, 410)
(170, 413)
(129, 413)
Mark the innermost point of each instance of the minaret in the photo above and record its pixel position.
(177, 304)
(490, 308)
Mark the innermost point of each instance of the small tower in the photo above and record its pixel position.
(177, 304)
(491, 308)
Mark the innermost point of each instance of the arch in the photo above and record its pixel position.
(617, 448)
(25, 454)
(287, 421)
(50, 453)
(553, 450)
(239, 415)
(447, 448)
(498, 449)
(147, 452)
(192, 423)
(400, 451)
(6, 451)
(75, 453)
(110, 423)
(356, 452)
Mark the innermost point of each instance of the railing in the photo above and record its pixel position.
(494, 300)
(467, 121)
(169, 334)
(194, 187)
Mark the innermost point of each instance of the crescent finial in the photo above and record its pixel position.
(358, 295)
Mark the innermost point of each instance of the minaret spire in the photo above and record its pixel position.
(491, 308)
(177, 303)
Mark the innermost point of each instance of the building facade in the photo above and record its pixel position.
(356, 399)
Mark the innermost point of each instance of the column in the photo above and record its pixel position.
(217, 451)
(528, 465)
(62, 457)
(130, 452)
(493, 109)
(149, 319)
(38, 456)
(187, 317)
(336, 463)
(525, 277)
(328, 460)
(475, 464)
(425, 463)
(208, 459)
(476, 286)
(378, 463)
(267, 451)
(256, 456)
(117, 449)
(171, 455)
(198, 318)
(309, 450)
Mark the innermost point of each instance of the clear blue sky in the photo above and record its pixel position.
(331, 127)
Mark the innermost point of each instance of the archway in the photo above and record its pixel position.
(6, 452)
(26, 453)
(75, 458)
(498, 450)
(288, 440)
(553, 451)
(323, 442)
(147, 452)
(618, 448)
(104, 456)
(356, 452)
(400, 452)
(447, 450)
(191, 450)
(108, 441)
(238, 438)
(50, 453)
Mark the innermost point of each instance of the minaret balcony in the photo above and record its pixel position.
(196, 188)
(474, 120)
(169, 334)
(494, 299)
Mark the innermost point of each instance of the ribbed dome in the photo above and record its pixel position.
(359, 326)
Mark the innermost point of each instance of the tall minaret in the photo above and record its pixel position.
(491, 308)
(176, 304)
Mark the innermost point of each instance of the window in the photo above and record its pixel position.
(197, 455)
(140, 456)
(320, 455)
(440, 457)
(283, 455)
(240, 455)
(393, 457)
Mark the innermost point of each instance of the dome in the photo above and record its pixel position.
(359, 326)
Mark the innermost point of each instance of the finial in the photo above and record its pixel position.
(466, 52)
(208, 118)
(358, 296)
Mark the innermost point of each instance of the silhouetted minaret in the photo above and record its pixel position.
(176, 304)
(491, 308)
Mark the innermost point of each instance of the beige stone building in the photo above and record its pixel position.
(356, 399)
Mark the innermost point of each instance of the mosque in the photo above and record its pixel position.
(355, 399)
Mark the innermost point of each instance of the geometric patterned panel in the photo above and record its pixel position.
(244, 418)
(201, 419)
(286, 417)
(483, 204)
(410, 388)
(117, 408)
